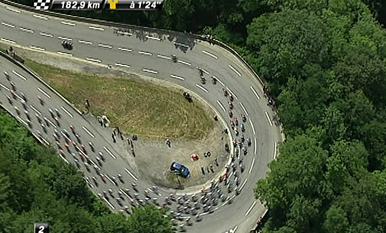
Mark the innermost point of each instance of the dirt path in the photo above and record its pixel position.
(153, 157)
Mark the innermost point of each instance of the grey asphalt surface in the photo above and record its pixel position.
(127, 52)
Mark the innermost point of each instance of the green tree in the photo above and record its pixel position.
(336, 220)
(113, 223)
(296, 188)
(285, 42)
(347, 160)
(148, 219)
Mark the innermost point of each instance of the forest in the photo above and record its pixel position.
(324, 62)
(37, 186)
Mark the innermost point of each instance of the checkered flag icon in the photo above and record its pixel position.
(42, 4)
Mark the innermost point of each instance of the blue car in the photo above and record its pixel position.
(180, 169)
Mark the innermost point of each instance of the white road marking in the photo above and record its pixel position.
(123, 33)
(221, 106)
(9, 41)
(45, 34)
(108, 151)
(183, 45)
(177, 77)
(233, 94)
(45, 141)
(150, 71)
(66, 111)
(253, 127)
(233, 230)
(67, 23)
(108, 177)
(26, 30)
(122, 65)
(96, 28)
(40, 17)
(65, 160)
(22, 121)
(135, 178)
(51, 123)
(7, 24)
(202, 88)
(209, 54)
(144, 53)
(206, 72)
(124, 49)
(205, 213)
(269, 119)
(84, 42)
(111, 206)
(254, 92)
(153, 38)
(19, 75)
(164, 57)
(218, 80)
(274, 152)
(131, 199)
(88, 182)
(184, 62)
(105, 46)
(66, 54)
(228, 200)
(242, 106)
(243, 184)
(64, 38)
(255, 146)
(250, 208)
(65, 136)
(232, 68)
(36, 48)
(44, 93)
(87, 131)
(230, 175)
(93, 59)
(253, 163)
(6, 88)
(33, 108)
(14, 10)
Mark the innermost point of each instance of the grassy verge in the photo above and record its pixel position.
(139, 107)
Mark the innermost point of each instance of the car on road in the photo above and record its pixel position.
(180, 169)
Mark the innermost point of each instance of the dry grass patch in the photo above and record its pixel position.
(136, 106)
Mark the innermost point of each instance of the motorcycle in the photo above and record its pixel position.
(174, 58)
(187, 96)
(200, 72)
(225, 92)
(214, 80)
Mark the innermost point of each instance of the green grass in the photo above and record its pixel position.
(136, 106)
(175, 179)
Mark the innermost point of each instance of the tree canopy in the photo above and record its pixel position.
(37, 186)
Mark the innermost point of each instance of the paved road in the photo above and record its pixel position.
(145, 54)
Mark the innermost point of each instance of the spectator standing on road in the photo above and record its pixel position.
(168, 142)
(132, 151)
(87, 104)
